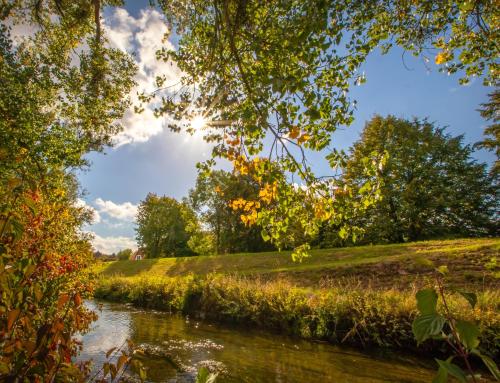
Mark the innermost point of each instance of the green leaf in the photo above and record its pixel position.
(426, 326)
(470, 297)
(142, 374)
(443, 269)
(265, 236)
(427, 301)
(441, 376)
(204, 376)
(468, 333)
(490, 363)
(452, 369)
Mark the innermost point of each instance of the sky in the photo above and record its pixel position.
(149, 158)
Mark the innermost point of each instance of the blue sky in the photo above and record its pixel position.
(149, 158)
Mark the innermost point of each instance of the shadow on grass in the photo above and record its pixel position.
(129, 268)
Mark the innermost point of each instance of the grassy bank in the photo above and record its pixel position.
(363, 296)
(362, 318)
(383, 266)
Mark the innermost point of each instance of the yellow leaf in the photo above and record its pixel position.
(305, 137)
(441, 58)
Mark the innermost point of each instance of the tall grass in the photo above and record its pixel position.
(341, 314)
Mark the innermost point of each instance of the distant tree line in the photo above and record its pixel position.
(431, 188)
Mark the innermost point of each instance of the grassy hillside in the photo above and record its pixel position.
(382, 266)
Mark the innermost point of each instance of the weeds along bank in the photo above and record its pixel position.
(355, 317)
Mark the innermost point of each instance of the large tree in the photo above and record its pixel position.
(212, 197)
(430, 185)
(161, 227)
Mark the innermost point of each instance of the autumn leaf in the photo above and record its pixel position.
(294, 132)
(77, 299)
(11, 317)
(63, 298)
(305, 137)
(442, 57)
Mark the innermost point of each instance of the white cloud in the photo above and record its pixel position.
(124, 212)
(141, 37)
(96, 217)
(109, 245)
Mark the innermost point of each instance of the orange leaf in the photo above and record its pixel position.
(77, 299)
(121, 361)
(110, 351)
(294, 132)
(63, 298)
(11, 318)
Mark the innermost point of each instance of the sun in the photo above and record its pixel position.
(198, 122)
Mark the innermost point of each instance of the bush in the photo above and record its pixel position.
(124, 255)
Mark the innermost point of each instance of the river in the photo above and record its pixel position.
(242, 355)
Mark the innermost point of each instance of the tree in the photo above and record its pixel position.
(430, 186)
(281, 72)
(491, 111)
(211, 198)
(124, 255)
(55, 107)
(162, 227)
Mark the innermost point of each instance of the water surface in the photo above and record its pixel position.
(242, 355)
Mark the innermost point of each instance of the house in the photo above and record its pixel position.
(137, 255)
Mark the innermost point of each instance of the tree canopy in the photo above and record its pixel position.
(430, 185)
(212, 199)
(162, 227)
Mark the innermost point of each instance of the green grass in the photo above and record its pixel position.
(377, 266)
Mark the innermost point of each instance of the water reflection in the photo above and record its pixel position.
(177, 346)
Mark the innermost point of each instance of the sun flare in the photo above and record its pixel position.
(198, 122)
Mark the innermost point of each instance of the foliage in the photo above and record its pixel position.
(124, 255)
(341, 314)
(280, 72)
(212, 198)
(491, 111)
(162, 227)
(431, 187)
(126, 367)
(461, 335)
(54, 108)
(205, 376)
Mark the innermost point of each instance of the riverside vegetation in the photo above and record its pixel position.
(294, 299)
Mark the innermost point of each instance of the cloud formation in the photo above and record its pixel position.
(109, 245)
(141, 37)
(124, 212)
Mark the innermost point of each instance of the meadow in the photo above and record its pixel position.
(471, 263)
